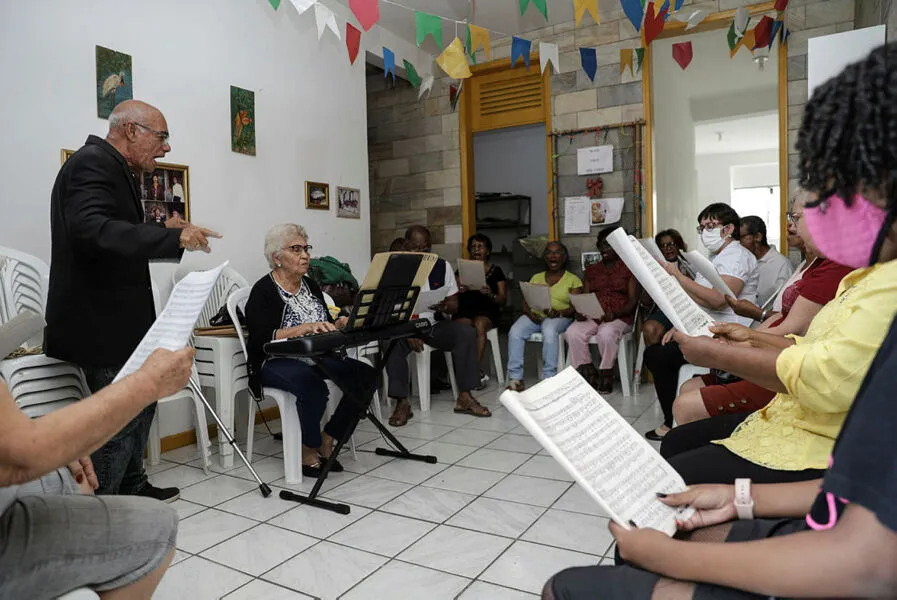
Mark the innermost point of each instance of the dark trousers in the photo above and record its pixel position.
(689, 449)
(664, 361)
(308, 383)
(448, 336)
(119, 462)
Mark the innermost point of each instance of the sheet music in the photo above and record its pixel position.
(675, 303)
(173, 328)
(651, 246)
(599, 449)
(702, 265)
(378, 266)
(588, 305)
(472, 273)
(538, 297)
(427, 299)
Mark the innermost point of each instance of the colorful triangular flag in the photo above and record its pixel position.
(325, 19)
(639, 59)
(548, 53)
(781, 5)
(478, 37)
(626, 60)
(275, 4)
(763, 31)
(589, 59)
(746, 41)
(389, 63)
(303, 5)
(428, 25)
(453, 60)
(520, 48)
(366, 11)
(425, 86)
(455, 95)
(586, 6)
(654, 22)
(353, 41)
(540, 4)
(411, 74)
(776, 29)
(635, 12)
(683, 53)
(691, 20)
(742, 16)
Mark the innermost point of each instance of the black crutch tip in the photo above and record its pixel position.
(265, 489)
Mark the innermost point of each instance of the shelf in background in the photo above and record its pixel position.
(502, 225)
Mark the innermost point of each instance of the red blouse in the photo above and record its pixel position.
(611, 284)
(818, 283)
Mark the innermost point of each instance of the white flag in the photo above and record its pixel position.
(325, 18)
(548, 53)
(692, 19)
(741, 20)
(425, 86)
(303, 5)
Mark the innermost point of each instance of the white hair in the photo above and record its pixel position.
(130, 111)
(278, 236)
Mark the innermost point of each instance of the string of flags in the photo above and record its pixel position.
(648, 17)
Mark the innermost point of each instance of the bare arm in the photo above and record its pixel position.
(757, 365)
(30, 448)
(707, 296)
(798, 320)
(501, 298)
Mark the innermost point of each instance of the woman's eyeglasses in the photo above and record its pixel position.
(670, 245)
(793, 218)
(299, 249)
(708, 227)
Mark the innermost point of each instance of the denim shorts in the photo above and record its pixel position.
(54, 540)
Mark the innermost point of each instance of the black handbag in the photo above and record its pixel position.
(222, 318)
(724, 377)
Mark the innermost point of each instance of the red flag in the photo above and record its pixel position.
(763, 32)
(781, 5)
(353, 41)
(682, 54)
(653, 22)
(366, 11)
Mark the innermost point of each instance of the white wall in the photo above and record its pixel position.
(311, 119)
(716, 178)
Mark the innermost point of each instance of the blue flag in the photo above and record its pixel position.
(389, 63)
(589, 61)
(520, 48)
(635, 12)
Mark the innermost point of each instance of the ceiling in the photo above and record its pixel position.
(742, 134)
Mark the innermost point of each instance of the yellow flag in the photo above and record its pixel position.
(626, 60)
(748, 40)
(453, 60)
(581, 6)
(479, 37)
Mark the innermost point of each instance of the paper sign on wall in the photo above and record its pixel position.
(606, 211)
(596, 159)
(576, 214)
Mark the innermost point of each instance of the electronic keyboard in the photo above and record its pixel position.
(322, 343)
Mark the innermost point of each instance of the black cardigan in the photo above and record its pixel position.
(264, 315)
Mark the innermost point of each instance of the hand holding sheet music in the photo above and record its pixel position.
(701, 265)
(472, 273)
(173, 328)
(587, 305)
(538, 297)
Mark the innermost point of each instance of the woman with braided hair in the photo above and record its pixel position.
(832, 537)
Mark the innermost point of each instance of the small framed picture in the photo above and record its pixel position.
(590, 258)
(317, 195)
(348, 203)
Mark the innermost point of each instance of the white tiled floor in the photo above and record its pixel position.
(493, 519)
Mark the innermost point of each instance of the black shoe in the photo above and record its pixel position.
(335, 467)
(437, 386)
(167, 495)
(654, 436)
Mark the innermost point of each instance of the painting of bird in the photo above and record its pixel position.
(242, 115)
(111, 85)
(240, 121)
(114, 80)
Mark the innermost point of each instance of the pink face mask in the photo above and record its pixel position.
(846, 234)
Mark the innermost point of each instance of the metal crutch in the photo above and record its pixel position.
(263, 487)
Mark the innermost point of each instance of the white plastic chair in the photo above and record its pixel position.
(688, 372)
(80, 594)
(421, 376)
(624, 354)
(492, 338)
(24, 280)
(536, 338)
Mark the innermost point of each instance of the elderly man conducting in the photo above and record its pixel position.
(100, 300)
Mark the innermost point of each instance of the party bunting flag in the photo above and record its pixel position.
(325, 19)
(683, 53)
(353, 41)
(781, 5)
(411, 74)
(583, 6)
(426, 86)
(455, 95)
(746, 41)
(654, 22)
(520, 48)
(635, 12)
(366, 11)
(478, 37)
(626, 60)
(548, 53)
(742, 16)
(428, 25)
(453, 61)
(303, 5)
(275, 4)
(640, 58)
(693, 19)
(589, 59)
(776, 30)
(540, 4)
(389, 63)
(763, 31)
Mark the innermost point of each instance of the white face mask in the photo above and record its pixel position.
(712, 240)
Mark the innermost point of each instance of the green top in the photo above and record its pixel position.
(560, 291)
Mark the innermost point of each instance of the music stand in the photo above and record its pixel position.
(390, 303)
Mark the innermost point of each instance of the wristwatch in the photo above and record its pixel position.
(744, 503)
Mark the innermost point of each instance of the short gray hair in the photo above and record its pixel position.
(279, 235)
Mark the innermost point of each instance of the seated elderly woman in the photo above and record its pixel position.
(55, 535)
(284, 304)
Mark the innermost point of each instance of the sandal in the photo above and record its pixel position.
(335, 467)
(400, 415)
(313, 471)
(516, 385)
(474, 409)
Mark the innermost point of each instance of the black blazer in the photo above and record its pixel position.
(264, 315)
(100, 300)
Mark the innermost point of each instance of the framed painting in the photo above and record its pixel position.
(114, 82)
(348, 203)
(164, 193)
(242, 120)
(317, 195)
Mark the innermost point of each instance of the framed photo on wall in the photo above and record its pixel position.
(164, 193)
(348, 203)
(590, 258)
(317, 195)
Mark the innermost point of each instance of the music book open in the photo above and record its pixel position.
(601, 451)
(472, 273)
(666, 292)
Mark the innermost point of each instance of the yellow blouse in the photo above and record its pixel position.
(822, 373)
(560, 291)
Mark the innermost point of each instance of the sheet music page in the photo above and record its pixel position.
(588, 305)
(472, 273)
(537, 296)
(427, 299)
(174, 326)
(378, 266)
(651, 246)
(675, 303)
(599, 449)
(701, 264)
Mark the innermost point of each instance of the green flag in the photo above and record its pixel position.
(274, 3)
(731, 36)
(540, 4)
(428, 25)
(411, 74)
(640, 56)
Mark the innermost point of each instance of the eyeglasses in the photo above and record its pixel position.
(162, 135)
(666, 245)
(793, 218)
(299, 249)
(709, 226)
